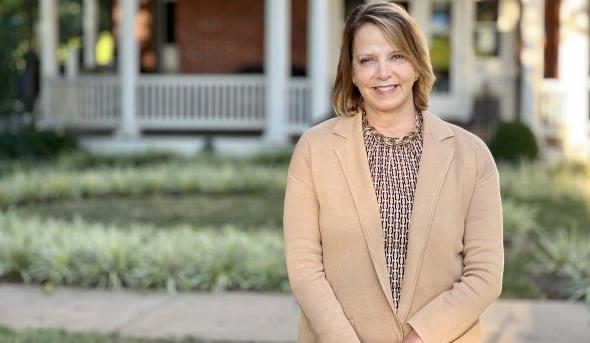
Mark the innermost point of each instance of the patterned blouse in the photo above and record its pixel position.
(394, 163)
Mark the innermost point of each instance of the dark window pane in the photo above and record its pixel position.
(440, 45)
(486, 36)
(170, 23)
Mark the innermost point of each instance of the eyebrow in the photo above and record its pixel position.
(370, 55)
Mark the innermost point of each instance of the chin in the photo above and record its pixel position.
(386, 106)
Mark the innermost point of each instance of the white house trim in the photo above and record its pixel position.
(318, 58)
(128, 70)
(90, 28)
(277, 68)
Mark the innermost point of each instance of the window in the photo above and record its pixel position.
(170, 10)
(486, 36)
(441, 45)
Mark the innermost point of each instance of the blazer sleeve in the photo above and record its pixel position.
(303, 252)
(452, 312)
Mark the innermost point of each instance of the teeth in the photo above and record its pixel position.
(385, 88)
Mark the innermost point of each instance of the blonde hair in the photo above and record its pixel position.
(402, 31)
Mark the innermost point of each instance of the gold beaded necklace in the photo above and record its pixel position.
(393, 141)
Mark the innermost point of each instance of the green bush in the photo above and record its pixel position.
(512, 142)
(28, 142)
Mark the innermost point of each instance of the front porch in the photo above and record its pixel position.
(126, 104)
(217, 103)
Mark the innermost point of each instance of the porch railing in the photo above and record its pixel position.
(173, 102)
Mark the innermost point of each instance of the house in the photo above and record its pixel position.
(249, 74)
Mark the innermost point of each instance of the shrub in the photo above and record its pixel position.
(512, 142)
(563, 263)
(28, 142)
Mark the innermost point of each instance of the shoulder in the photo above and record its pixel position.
(317, 136)
(469, 139)
(320, 131)
(472, 147)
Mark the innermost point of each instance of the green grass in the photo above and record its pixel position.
(164, 192)
(61, 336)
(243, 211)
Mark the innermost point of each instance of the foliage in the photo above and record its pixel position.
(243, 211)
(166, 178)
(512, 142)
(565, 256)
(28, 142)
(519, 221)
(274, 158)
(16, 35)
(526, 181)
(93, 255)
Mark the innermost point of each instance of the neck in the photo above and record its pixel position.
(392, 124)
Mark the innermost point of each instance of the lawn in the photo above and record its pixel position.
(244, 211)
(124, 201)
(61, 336)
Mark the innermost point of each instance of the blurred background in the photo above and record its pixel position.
(144, 143)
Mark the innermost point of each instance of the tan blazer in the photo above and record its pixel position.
(334, 242)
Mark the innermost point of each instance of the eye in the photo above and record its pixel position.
(397, 57)
(365, 60)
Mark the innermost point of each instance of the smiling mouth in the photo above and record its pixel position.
(385, 89)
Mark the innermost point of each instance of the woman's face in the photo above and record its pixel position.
(382, 73)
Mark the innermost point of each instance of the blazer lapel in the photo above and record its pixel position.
(434, 163)
(354, 161)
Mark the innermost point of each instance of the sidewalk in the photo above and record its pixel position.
(247, 317)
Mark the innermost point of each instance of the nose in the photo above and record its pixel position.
(382, 71)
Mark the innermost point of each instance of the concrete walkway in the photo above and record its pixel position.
(247, 317)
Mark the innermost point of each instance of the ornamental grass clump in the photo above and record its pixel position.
(563, 264)
(169, 260)
(266, 264)
(108, 255)
(519, 222)
(171, 178)
(533, 181)
(78, 253)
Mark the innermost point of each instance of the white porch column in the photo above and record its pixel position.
(573, 74)
(532, 58)
(90, 27)
(49, 38)
(72, 65)
(48, 33)
(318, 57)
(128, 69)
(277, 69)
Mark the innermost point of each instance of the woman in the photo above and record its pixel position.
(392, 219)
